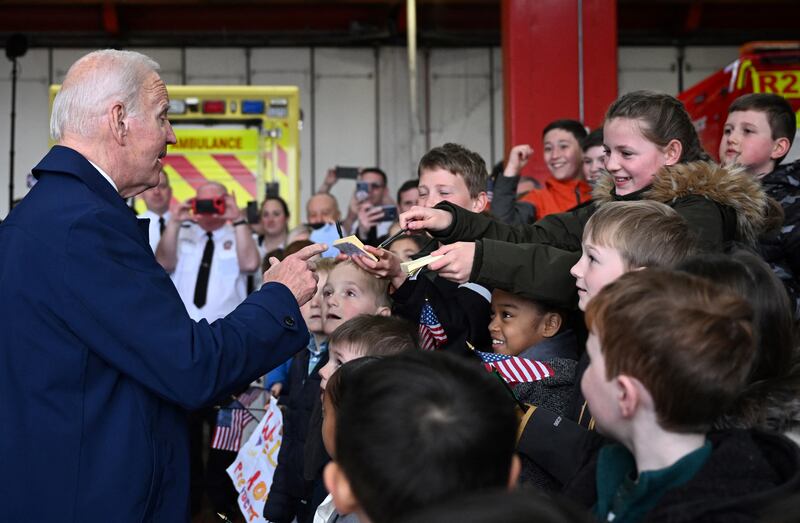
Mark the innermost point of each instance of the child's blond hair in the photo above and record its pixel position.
(377, 286)
(645, 233)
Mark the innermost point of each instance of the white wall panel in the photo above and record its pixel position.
(499, 130)
(402, 141)
(344, 125)
(32, 121)
(169, 60)
(460, 100)
(290, 66)
(700, 62)
(652, 68)
(225, 66)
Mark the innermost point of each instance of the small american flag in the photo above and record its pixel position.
(514, 369)
(252, 394)
(431, 333)
(231, 421)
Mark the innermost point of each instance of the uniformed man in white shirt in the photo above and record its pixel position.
(157, 200)
(209, 255)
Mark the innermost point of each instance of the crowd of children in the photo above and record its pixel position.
(618, 345)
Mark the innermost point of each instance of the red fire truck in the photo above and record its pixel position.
(762, 67)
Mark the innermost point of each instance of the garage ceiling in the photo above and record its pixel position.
(93, 23)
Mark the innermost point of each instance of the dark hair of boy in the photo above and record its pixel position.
(574, 127)
(518, 506)
(296, 246)
(340, 379)
(775, 372)
(278, 253)
(593, 139)
(370, 335)
(419, 428)
(689, 342)
(780, 116)
(645, 233)
(458, 160)
(407, 185)
(376, 170)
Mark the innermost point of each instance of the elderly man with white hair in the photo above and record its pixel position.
(99, 360)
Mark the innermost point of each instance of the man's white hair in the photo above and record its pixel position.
(111, 76)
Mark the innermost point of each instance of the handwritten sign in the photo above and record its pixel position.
(254, 466)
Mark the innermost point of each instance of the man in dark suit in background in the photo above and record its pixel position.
(99, 359)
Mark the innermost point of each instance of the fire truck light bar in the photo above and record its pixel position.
(253, 106)
(177, 107)
(214, 107)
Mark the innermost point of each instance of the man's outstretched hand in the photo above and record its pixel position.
(297, 271)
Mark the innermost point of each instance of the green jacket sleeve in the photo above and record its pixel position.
(535, 271)
(562, 230)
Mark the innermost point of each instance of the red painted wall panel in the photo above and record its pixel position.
(541, 67)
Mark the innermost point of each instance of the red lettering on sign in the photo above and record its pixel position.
(768, 83)
(791, 81)
(253, 479)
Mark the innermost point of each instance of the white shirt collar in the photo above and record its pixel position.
(106, 176)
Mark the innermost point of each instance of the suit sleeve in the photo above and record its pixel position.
(123, 305)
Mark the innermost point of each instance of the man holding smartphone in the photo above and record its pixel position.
(371, 225)
(371, 211)
(209, 253)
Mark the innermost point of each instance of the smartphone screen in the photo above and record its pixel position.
(389, 213)
(347, 173)
(362, 191)
(252, 212)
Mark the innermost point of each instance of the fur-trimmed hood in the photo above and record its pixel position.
(731, 187)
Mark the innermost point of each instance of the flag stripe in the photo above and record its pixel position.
(514, 369)
(228, 435)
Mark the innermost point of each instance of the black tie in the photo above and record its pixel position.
(161, 225)
(201, 287)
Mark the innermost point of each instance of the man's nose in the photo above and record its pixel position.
(171, 135)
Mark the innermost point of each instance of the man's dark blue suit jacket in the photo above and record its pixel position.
(99, 360)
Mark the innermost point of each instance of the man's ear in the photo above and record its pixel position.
(480, 202)
(628, 395)
(672, 152)
(513, 472)
(118, 122)
(339, 486)
(551, 323)
(780, 148)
